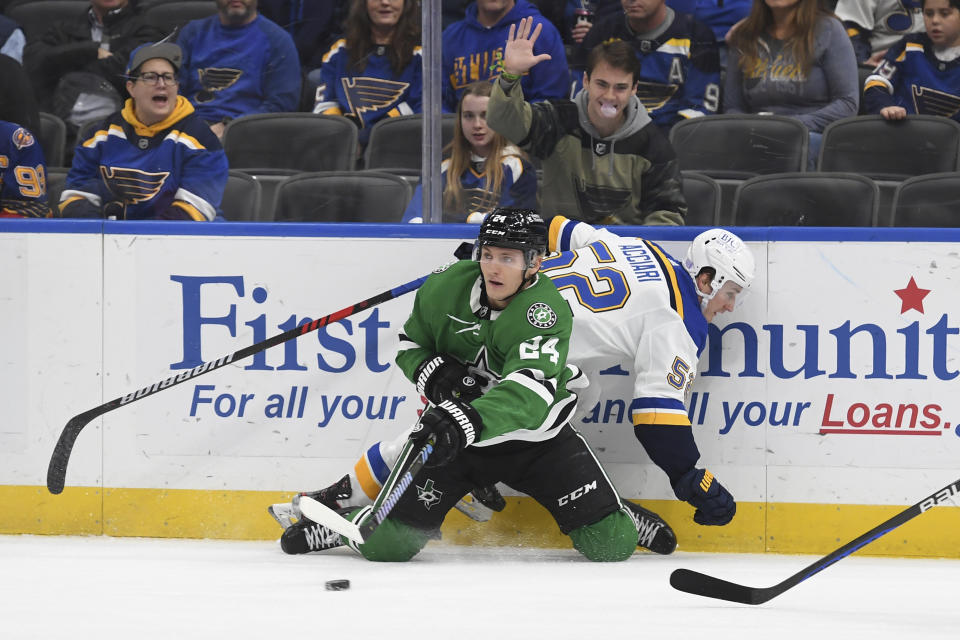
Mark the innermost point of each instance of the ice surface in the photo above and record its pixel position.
(107, 588)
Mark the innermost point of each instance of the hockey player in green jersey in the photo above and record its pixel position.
(512, 328)
(635, 307)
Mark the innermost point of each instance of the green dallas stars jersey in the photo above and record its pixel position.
(522, 350)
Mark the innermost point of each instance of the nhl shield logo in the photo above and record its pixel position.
(428, 495)
(541, 315)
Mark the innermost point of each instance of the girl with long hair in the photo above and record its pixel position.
(482, 170)
(373, 72)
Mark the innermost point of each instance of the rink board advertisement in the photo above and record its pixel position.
(823, 398)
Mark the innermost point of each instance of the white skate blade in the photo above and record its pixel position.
(322, 514)
(283, 513)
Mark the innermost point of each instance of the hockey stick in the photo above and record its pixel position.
(393, 489)
(57, 470)
(703, 585)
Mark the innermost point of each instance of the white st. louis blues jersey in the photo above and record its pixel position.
(637, 309)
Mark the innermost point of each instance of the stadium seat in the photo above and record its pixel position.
(890, 152)
(702, 194)
(241, 197)
(297, 141)
(733, 147)
(807, 199)
(396, 143)
(36, 16)
(885, 150)
(342, 196)
(169, 15)
(53, 138)
(56, 179)
(740, 145)
(931, 200)
(87, 130)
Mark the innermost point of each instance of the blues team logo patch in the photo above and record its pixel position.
(541, 315)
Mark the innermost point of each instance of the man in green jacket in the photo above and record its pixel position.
(604, 161)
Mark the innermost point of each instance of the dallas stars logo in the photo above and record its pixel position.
(541, 315)
(428, 495)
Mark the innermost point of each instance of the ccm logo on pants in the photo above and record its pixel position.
(577, 493)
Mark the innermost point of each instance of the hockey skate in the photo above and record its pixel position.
(655, 534)
(288, 513)
(306, 535)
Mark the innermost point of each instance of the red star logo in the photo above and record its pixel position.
(911, 297)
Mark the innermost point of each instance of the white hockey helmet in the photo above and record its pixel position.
(726, 254)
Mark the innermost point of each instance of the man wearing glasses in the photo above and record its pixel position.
(153, 160)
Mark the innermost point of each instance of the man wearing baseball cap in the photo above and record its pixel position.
(154, 159)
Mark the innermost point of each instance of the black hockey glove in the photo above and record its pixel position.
(441, 377)
(715, 505)
(455, 424)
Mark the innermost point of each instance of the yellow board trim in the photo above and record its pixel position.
(242, 515)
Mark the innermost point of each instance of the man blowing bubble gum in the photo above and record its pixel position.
(604, 160)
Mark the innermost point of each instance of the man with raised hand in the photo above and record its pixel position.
(604, 160)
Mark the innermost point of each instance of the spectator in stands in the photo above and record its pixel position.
(874, 25)
(792, 58)
(23, 174)
(720, 16)
(473, 50)
(314, 25)
(482, 170)
(452, 11)
(604, 160)
(99, 42)
(12, 39)
(236, 62)
(375, 72)
(154, 160)
(679, 60)
(921, 73)
(17, 103)
(573, 18)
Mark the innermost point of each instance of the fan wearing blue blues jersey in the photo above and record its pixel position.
(921, 73)
(473, 50)
(154, 159)
(23, 179)
(482, 169)
(374, 72)
(679, 59)
(237, 62)
(636, 307)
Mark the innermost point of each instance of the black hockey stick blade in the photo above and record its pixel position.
(701, 584)
(57, 469)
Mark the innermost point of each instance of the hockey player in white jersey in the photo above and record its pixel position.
(632, 303)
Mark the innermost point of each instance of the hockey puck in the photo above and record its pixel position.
(337, 585)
